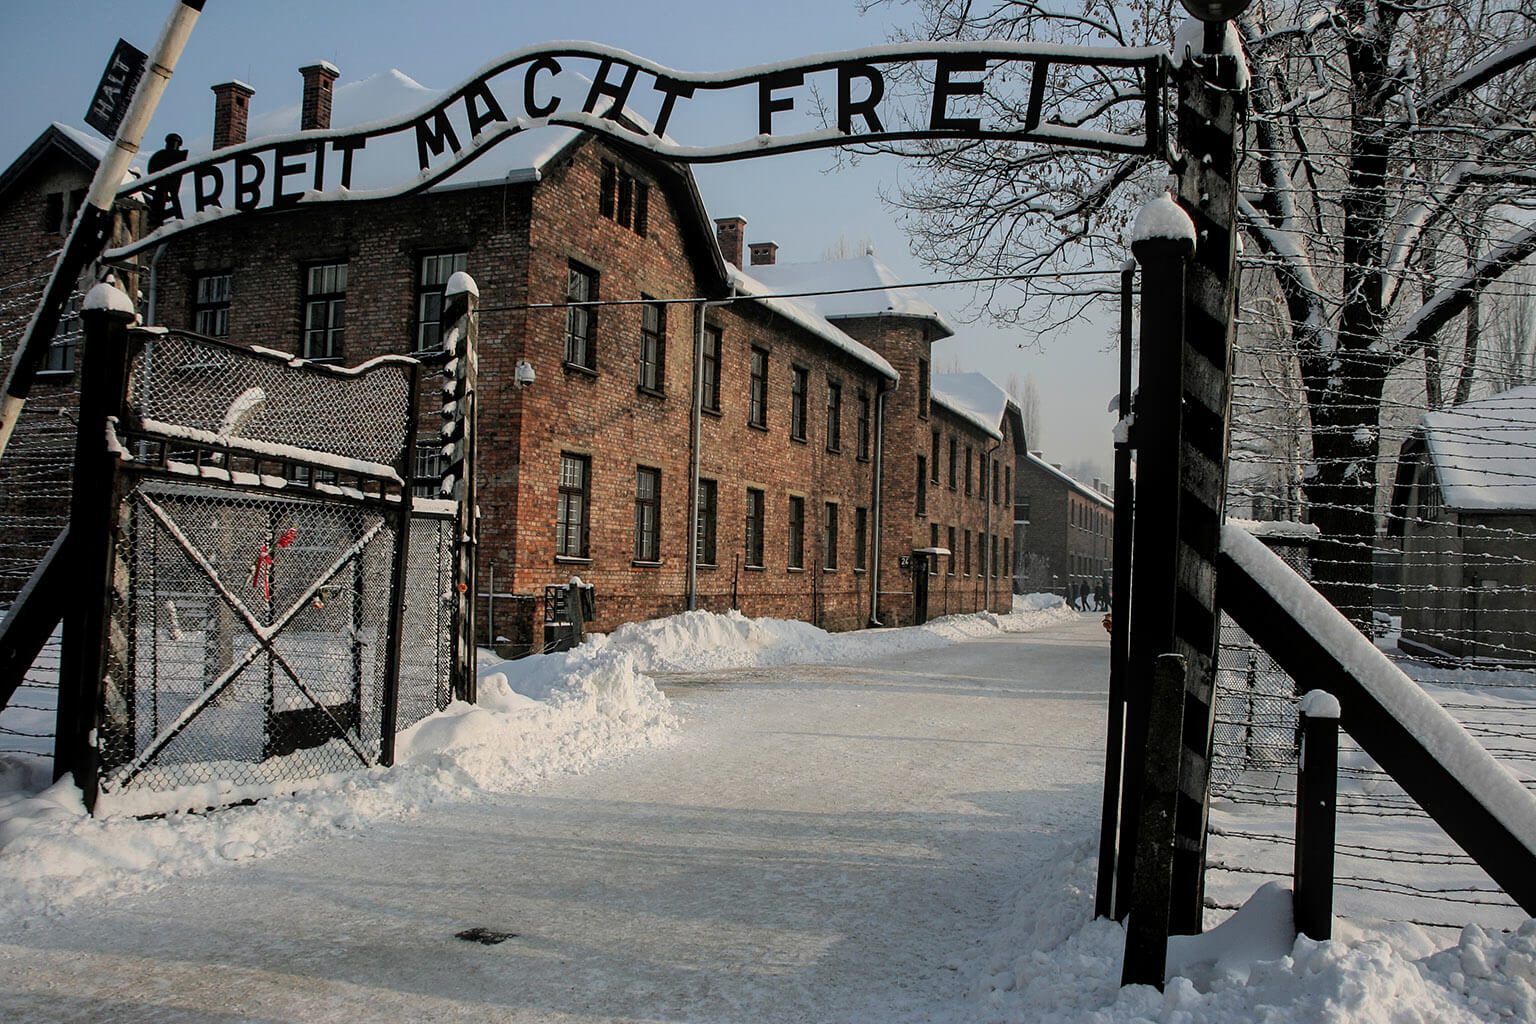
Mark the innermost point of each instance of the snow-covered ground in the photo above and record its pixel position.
(569, 727)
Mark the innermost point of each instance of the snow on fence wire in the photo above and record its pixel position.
(1393, 862)
(35, 475)
(1447, 461)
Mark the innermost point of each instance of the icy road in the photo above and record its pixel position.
(818, 844)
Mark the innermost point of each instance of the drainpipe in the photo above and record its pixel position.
(695, 443)
(874, 566)
(695, 449)
(986, 553)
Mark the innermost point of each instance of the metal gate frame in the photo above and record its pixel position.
(98, 651)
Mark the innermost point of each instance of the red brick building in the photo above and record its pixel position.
(813, 428)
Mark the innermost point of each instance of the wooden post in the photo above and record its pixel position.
(1210, 104)
(461, 342)
(90, 552)
(1146, 934)
(1156, 434)
(1317, 785)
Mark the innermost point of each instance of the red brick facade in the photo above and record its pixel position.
(1068, 525)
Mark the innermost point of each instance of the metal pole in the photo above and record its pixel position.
(1106, 903)
(1317, 783)
(93, 225)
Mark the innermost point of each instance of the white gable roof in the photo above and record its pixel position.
(1484, 452)
(973, 396)
(805, 315)
(876, 295)
(1071, 482)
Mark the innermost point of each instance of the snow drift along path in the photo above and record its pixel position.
(817, 844)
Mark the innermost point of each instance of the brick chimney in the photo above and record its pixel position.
(315, 112)
(231, 105)
(764, 254)
(728, 231)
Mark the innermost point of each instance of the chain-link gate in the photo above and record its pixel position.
(257, 594)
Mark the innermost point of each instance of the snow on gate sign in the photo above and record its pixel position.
(115, 90)
(770, 108)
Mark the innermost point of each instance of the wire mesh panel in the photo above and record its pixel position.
(426, 649)
(254, 631)
(262, 397)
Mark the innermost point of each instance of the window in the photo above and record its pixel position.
(864, 408)
(829, 537)
(325, 310)
(757, 405)
(647, 514)
(796, 532)
(709, 370)
(922, 486)
(1021, 509)
(951, 550)
(992, 549)
(834, 416)
(952, 462)
(60, 357)
(985, 462)
(798, 382)
(1007, 484)
(933, 542)
(861, 538)
(997, 492)
(624, 199)
(427, 477)
(431, 283)
(571, 517)
(967, 566)
(653, 346)
(933, 458)
(59, 209)
(1007, 566)
(210, 304)
(755, 527)
(922, 388)
(967, 471)
(581, 321)
(704, 529)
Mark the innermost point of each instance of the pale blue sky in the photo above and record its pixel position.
(57, 49)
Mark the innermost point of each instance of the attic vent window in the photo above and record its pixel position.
(624, 199)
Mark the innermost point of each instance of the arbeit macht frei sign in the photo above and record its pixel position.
(946, 90)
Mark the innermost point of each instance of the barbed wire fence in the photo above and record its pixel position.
(1452, 600)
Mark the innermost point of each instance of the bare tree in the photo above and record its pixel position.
(1389, 143)
(1027, 397)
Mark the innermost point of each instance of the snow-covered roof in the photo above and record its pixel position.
(805, 315)
(860, 272)
(1072, 482)
(973, 396)
(1484, 452)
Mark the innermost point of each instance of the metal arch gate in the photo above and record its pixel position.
(254, 543)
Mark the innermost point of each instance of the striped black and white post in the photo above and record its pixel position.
(461, 337)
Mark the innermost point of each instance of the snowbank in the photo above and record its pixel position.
(537, 717)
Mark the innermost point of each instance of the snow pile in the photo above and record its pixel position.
(1051, 963)
(537, 717)
(706, 642)
(541, 716)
